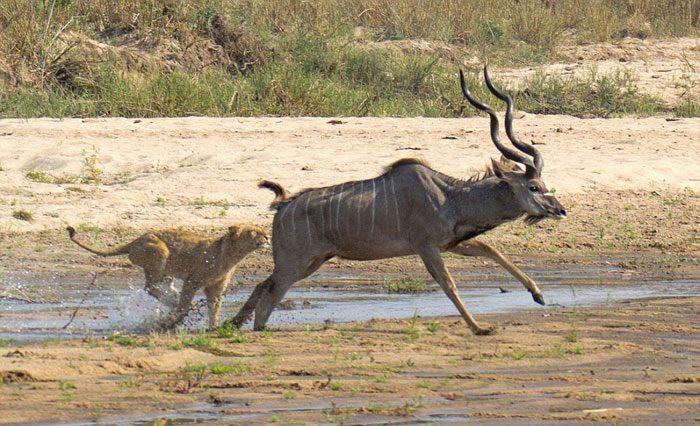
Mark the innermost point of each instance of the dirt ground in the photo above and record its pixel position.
(629, 184)
(203, 171)
(631, 362)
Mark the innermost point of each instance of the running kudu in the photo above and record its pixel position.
(410, 209)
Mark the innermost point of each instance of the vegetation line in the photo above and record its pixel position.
(338, 57)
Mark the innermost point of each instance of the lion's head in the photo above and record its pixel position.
(245, 238)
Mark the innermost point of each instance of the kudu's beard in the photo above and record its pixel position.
(534, 219)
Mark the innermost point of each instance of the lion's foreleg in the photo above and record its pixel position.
(215, 297)
(184, 306)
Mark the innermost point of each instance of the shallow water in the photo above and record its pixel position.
(123, 306)
(212, 413)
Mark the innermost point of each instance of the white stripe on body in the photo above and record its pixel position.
(374, 203)
(282, 211)
(386, 200)
(306, 212)
(359, 207)
(337, 210)
(294, 209)
(433, 202)
(396, 205)
(323, 206)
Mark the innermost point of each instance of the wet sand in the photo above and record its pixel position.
(75, 307)
(635, 361)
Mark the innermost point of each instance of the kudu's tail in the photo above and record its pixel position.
(280, 193)
(116, 252)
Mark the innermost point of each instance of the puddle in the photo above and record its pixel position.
(207, 413)
(123, 305)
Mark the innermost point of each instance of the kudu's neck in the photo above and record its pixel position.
(485, 204)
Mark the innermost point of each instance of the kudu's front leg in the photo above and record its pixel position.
(436, 267)
(478, 248)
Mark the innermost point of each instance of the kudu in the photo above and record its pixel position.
(410, 209)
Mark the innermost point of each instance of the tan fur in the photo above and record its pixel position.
(496, 168)
(201, 262)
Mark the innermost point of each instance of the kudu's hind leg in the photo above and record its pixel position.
(478, 248)
(280, 283)
(248, 307)
(436, 267)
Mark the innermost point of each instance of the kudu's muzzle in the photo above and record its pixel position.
(554, 207)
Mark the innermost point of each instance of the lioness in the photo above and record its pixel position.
(199, 261)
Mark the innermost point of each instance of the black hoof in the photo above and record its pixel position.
(233, 323)
(485, 331)
(537, 297)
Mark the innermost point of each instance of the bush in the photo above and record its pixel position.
(594, 95)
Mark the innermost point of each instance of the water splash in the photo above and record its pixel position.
(135, 310)
(138, 311)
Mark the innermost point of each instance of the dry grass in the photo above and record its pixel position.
(176, 57)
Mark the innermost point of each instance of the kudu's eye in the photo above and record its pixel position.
(533, 188)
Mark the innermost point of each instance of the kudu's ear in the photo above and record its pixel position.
(497, 169)
(510, 166)
(531, 173)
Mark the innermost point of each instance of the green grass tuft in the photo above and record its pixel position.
(406, 286)
(433, 326)
(194, 368)
(519, 355)
(593, 95)
(688, 108)
(23, 215)
(571, 336)
(65, 385)
(199, 341)
(128, 341)
(235, 369)
(232, 333)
